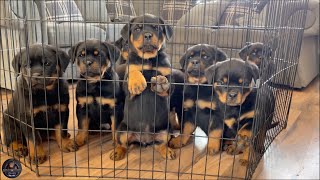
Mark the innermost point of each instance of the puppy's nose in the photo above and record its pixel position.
(88, 63)
(195, 62)
(147, 36)
(232, 94)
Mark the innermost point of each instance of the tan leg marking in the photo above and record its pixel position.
(65, 144)
(41, 155)
(82, 135)
(182, 139)
(214, 141)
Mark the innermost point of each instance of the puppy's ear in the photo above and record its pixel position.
(210, 72)
(253, 69)
(268, 51)
(73, 51)
(183, 61)
(125, 31)
(64, 59)
(114, 52)
(244, 52)
(119, 43)
(167, 30)
(219, 54)
(17, 61)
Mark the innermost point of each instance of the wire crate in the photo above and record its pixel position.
(230, 25)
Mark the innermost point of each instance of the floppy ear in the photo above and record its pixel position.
(220, 55)
(183, 61)
(125, 31)
(210, 72)
(243, 53)
(73, 51)
(168, 30)
(16, 62)
(119, 43)
(268, 51)
(64, 59)
(253, 69)
(114, 52)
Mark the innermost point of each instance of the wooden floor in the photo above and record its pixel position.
(293, 155)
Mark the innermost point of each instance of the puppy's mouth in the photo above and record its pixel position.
(148, 48)
(195, 72)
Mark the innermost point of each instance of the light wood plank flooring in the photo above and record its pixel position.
(293, 155)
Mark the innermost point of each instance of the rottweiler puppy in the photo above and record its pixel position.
(147, 104)
(40, 100)
(261, 55)
(98, 91)
(233, 81)
(198, 101)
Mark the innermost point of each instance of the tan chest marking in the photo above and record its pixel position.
(82, 101)
(230, 122)
(188, 103)
(106, 101)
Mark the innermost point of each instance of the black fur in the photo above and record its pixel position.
(99, 82)
(47, 94)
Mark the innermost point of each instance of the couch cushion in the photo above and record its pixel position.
(238, 12)
(173, 10)
(120, 10)
(62, 11)
(93, 10)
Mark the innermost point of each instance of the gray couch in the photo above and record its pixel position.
(201, 25)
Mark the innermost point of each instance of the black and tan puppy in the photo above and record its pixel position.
(261, 55)
(97, 93)
(236, 94)
(198, 101)
(39, 68)
(146, 106)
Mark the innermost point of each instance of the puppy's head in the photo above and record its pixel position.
(233, 80)
(94, 57)
(197, 59)
(146, 35)
(255, 52)
(123, 45)
(40, 65)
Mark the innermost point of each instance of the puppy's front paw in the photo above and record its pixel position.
(19, 149)
(41, 156)
(68, 145)
(176, 142)
(213, 146)
(160, 84)
(244, 162)
(118, 153)
(136, 82)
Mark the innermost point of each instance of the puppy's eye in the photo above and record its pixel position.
(156, 28)
(220, 83)
(47, 63)
(137, 29)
